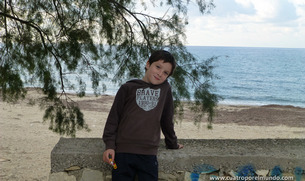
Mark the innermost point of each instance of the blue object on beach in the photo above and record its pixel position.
(298, 171)
(276, 171)
(245, 171)
(195, 176)
(203, 168)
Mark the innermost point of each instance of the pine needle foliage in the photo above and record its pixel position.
(44, 42)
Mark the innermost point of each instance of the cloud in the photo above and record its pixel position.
(226, 8)
(272, 11)
(275, 23)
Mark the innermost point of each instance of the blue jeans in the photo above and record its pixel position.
(129, 165)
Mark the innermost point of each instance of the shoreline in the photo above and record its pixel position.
(221, 103)
(261, 105)
(26, 142)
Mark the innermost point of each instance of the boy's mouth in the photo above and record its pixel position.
(156, 78)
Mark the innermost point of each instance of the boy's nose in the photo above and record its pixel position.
(160, 73)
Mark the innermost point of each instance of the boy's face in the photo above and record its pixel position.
(157, 72)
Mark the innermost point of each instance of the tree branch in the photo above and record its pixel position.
(37, 28)
(140, 23)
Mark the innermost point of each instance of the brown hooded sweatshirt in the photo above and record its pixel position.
(138, 113)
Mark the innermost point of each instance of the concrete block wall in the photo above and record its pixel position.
(80, 159)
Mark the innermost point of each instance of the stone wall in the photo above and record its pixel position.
(80, 159)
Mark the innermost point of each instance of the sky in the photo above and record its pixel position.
(249, 23)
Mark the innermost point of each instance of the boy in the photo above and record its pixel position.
(140, 109)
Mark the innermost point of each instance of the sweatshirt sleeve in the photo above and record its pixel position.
(167, 124)
(112, 123)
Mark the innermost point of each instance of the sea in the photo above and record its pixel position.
(250, 75)
(257, 76)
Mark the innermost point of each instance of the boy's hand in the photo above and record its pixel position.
(108, 154)
(180, 146)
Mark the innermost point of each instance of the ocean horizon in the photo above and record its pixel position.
(257, 75)
(254, 75)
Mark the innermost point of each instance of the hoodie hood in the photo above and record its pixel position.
(142, 82)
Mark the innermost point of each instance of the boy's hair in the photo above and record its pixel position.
(165, 56)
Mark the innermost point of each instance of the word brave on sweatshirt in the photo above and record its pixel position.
(148, 98)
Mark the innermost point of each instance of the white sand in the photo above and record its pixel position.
(26, 143)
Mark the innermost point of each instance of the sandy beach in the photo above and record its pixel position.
(26, 142)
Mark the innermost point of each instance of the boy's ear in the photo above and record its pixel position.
(147, 65)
